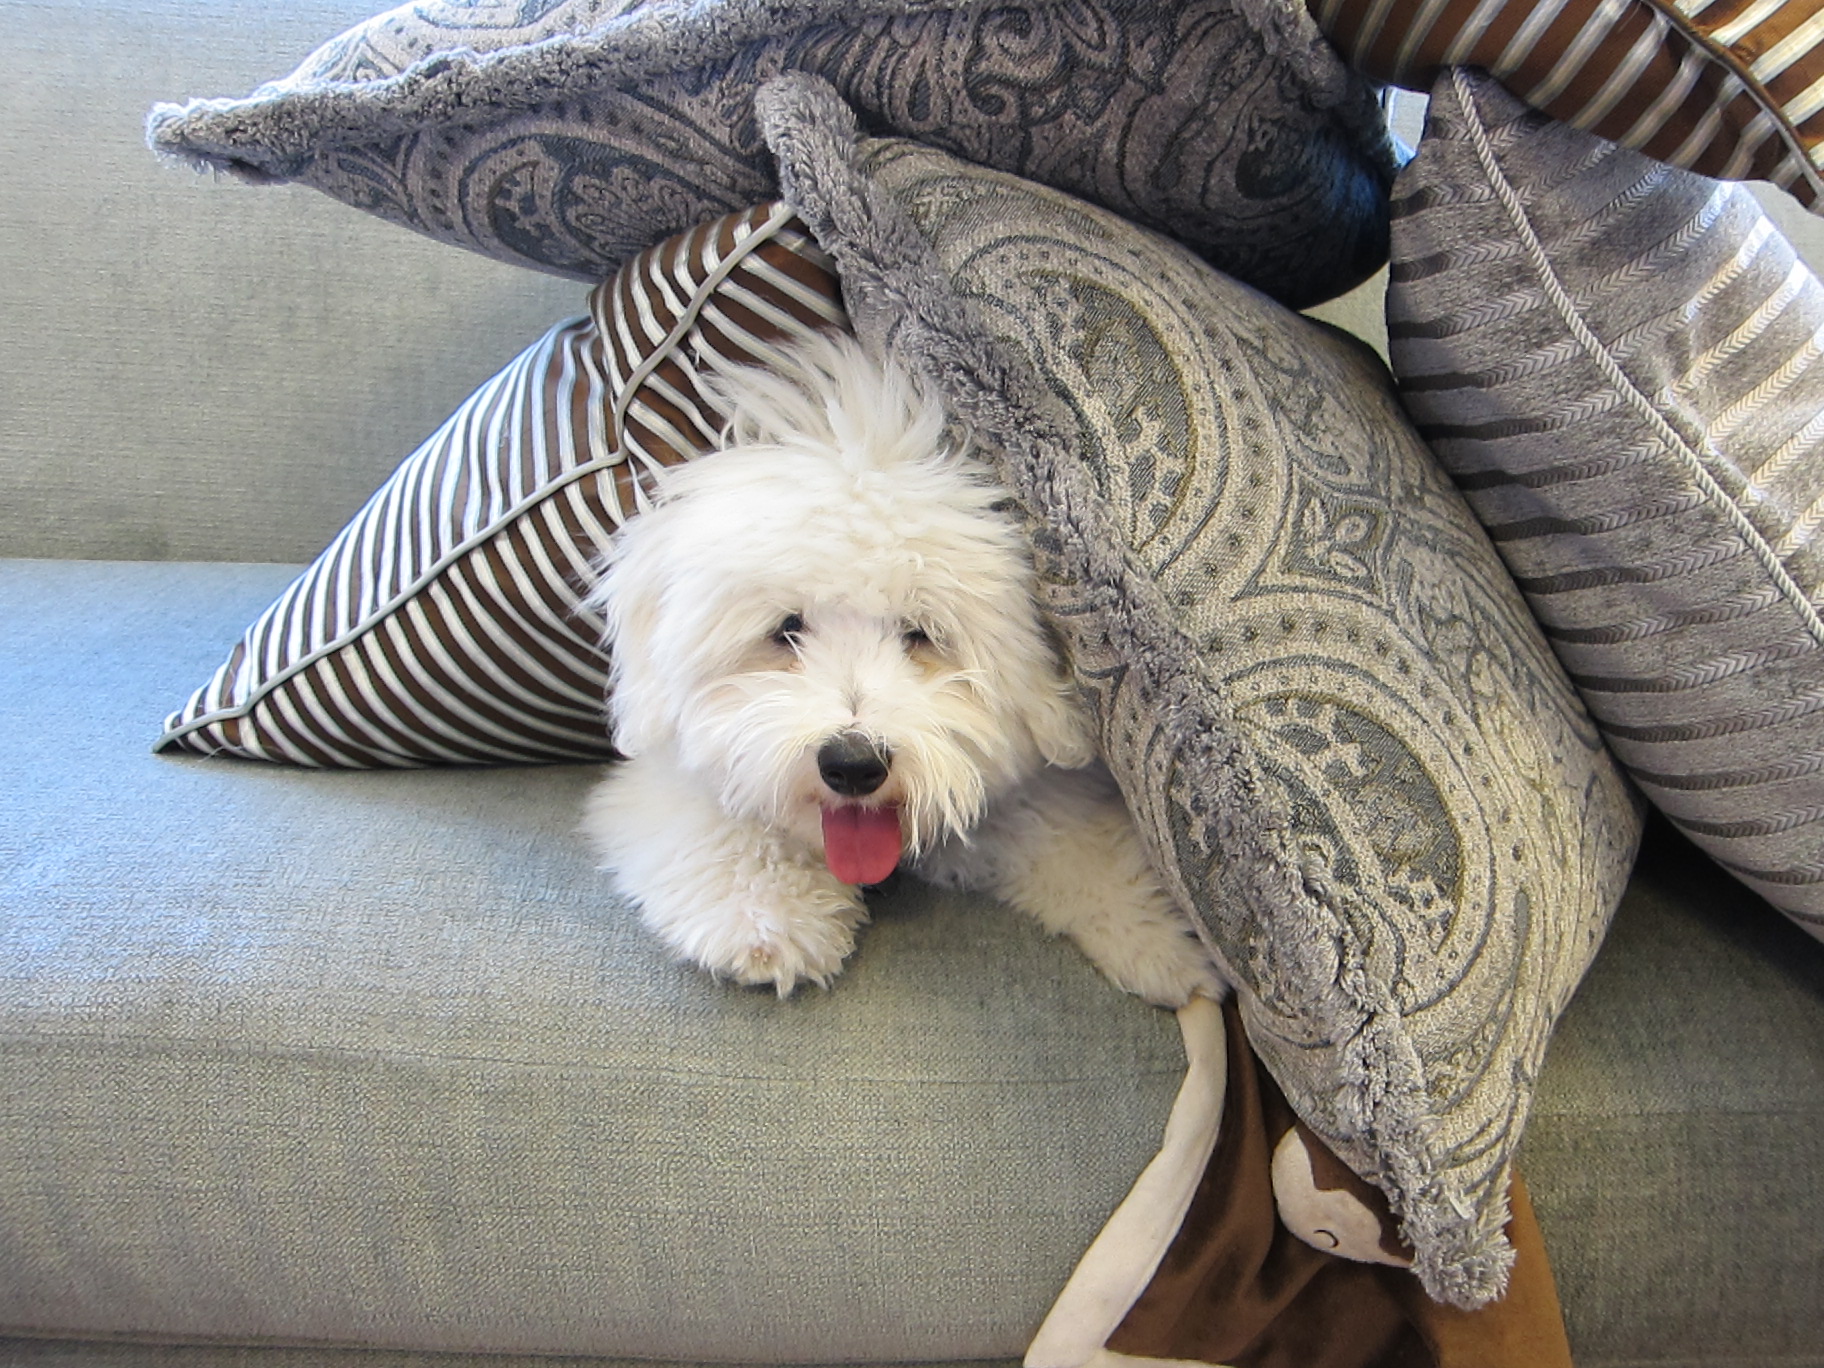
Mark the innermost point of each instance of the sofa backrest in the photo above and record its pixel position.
(195, 369)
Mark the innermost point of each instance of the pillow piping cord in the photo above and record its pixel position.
(467, 547)
(619, 456)
(889, 272)
(1610, 369)
(781, 214)
(1739, 78)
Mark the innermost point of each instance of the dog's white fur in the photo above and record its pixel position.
(842, 569)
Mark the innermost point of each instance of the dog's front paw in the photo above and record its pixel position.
(802, 936)
(786, 956)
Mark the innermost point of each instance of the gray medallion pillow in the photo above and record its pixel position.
(1352, 753)
(1623, 366)
(570, 135)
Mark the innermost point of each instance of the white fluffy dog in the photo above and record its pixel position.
(827, 664)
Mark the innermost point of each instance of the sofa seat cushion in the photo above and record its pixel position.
(296, 1056)
(1678, 1131)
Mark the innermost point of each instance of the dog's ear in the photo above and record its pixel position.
(642, 711)
(1060, 725)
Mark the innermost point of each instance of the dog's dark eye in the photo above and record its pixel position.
(915, 635)
(786, 633)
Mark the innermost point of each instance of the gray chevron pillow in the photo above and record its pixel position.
(1353, 755)
(571, 134)
(1623, 366)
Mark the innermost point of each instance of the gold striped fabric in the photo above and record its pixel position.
(444, 624)
(1732, 89)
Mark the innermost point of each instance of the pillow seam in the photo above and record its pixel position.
(781, 214)
(1726, 57)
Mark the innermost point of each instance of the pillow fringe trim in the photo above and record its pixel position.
(272, 135)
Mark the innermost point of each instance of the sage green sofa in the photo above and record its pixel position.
(304, 1069)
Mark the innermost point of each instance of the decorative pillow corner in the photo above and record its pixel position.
(1351, 752)
(572, 139)
(444, 624)
(1622, 364)
(1726, 88)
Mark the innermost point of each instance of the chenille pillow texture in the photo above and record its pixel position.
(1352, 753)
(1728, 88)
(444, 623)
(570, 135)
(1620, 364)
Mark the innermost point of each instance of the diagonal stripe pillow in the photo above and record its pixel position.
(1727, 88)
(444, 623)
(1622, 364)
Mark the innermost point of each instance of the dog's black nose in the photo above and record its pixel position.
(852, 765)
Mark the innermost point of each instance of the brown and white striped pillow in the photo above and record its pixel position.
(444, 624)
(1622, 365)
(1727, 88)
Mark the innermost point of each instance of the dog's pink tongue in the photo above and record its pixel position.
(860, 844)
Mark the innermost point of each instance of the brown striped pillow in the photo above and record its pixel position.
(1728, 88)
(444, 624)
(1622, 364)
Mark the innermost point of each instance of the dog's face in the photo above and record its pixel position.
(830, 624)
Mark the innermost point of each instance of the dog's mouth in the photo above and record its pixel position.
(861, 845)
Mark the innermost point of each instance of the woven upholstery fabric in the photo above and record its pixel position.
(444, 624)
(570, 135)
(1679, 1130)
(1353, 755)
(323, 1057)
(1728, 88)
(1621, 364)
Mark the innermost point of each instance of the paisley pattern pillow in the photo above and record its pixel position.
(1353, 754)
(570, 135)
